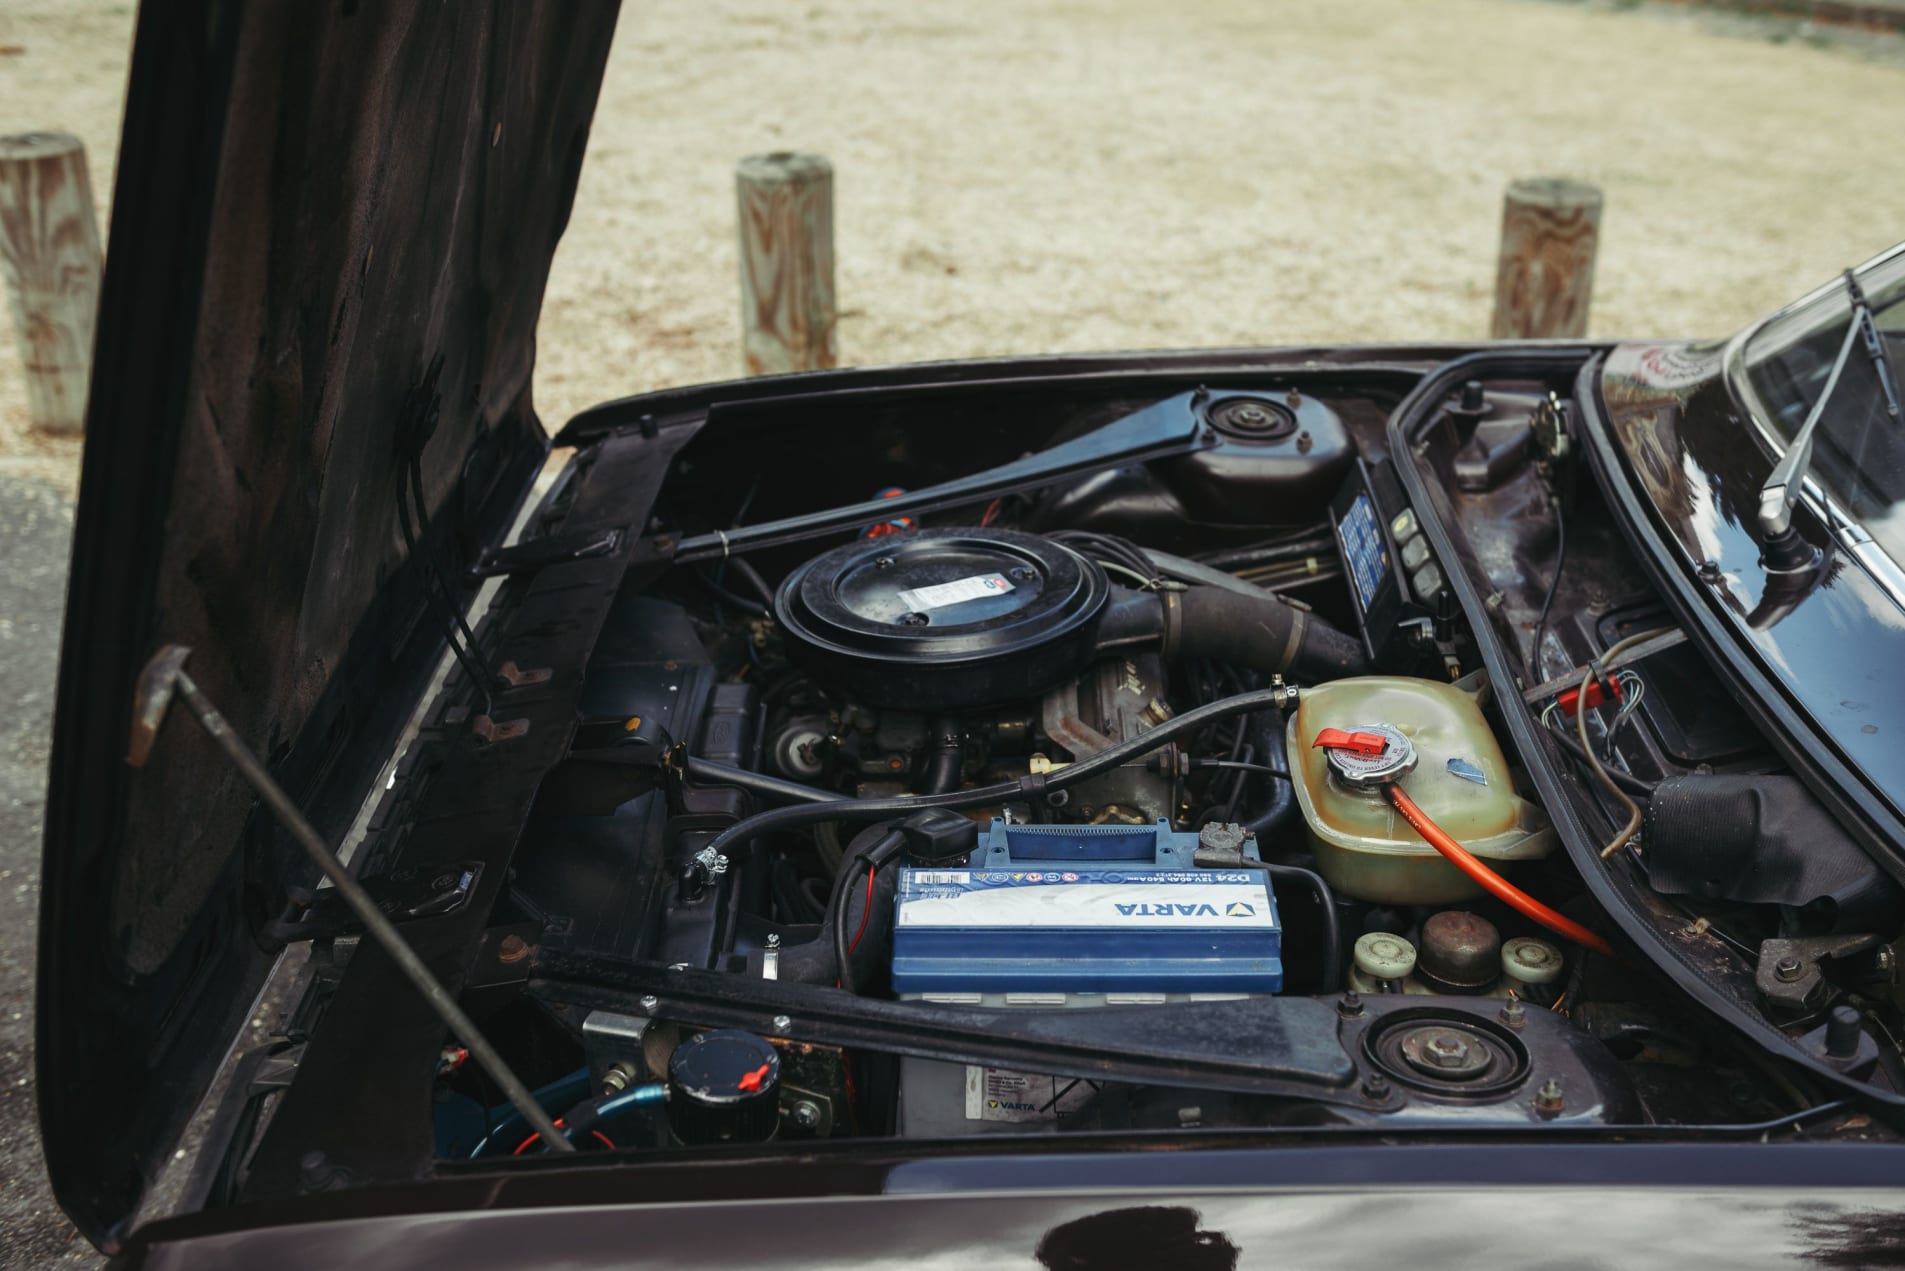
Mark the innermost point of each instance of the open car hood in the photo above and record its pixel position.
(332, 227)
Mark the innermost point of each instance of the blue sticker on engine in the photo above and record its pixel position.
(1363, 549)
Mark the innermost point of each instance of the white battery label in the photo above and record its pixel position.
(1138, 903)
(939, 595)
(996, 1094)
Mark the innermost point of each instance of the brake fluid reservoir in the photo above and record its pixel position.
(1460, 779)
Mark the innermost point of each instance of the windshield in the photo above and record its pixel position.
(1858, 454)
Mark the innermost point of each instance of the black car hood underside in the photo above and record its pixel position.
(332, 227)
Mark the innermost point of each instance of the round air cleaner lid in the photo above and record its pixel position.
(944, 618)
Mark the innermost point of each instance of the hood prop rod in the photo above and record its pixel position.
(164, 676)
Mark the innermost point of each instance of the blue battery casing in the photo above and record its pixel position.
(1086, 909)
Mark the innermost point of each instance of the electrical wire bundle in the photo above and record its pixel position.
(1118, 555)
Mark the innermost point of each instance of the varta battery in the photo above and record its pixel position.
(1086, 909)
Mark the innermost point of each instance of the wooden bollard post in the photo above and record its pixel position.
(1551, 228)
(49, 255)
(786, 204)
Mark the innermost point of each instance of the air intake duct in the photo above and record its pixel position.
(1260, 632)
(962, 618)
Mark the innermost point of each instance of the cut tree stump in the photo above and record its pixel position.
(1551, 229)
(787, 307)
(49, 256)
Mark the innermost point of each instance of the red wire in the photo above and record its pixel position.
(992, 510)
(865, 913)
(524, 1145)
(1494, 883)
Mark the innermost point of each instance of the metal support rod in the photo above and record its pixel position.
(1640, 652)
(165, 672)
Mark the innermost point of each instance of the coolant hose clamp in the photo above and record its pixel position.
(1368, 755)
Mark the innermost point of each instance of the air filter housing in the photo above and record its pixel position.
(944, 619)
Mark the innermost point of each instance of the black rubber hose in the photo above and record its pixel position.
(945, 759)
(1028, 787)
(773, 789)
(842, 906)
(1332, 927)
(1266, 729)
(728, 598)
(752, 577)
(1262, 633)
(860, 858)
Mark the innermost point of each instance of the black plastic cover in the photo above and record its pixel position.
(1764, 840)
(945, 618)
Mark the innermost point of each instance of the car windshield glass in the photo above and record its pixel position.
(1858, 452)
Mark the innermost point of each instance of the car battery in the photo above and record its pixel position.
(1066, 917)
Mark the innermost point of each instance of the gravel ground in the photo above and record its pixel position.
(1019, 177)
(36, 528)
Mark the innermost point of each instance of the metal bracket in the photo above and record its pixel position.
(401, 895)
(539, 553)
(1789, 976)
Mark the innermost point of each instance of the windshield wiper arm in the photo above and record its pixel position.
(1781, 491)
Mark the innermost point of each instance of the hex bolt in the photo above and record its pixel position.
(883, 562)
(1376, 1086)
(914, 619)
(1350, 1005)
(1548, 1099)
(513, 948)
(805, 1114)
(650, 1002)
(782, 1023)
(1788, 969)
(1445, 1050)
(617, 1078)
(1513, 1013)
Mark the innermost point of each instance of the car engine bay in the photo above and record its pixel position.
(1134, 762)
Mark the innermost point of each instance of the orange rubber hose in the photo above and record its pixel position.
(1494, 883)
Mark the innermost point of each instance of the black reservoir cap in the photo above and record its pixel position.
(724, 1087)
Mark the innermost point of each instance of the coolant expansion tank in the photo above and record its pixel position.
(1363, 846)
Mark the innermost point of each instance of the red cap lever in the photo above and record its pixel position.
(1360, 743)
(751, 1081)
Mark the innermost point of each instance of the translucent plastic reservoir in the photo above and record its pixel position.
(1461, 780)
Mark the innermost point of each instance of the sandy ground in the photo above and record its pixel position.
(1016, 176)
(1092, 174)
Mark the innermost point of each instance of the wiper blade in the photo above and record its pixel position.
(1781, 491)
(1867, 322)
